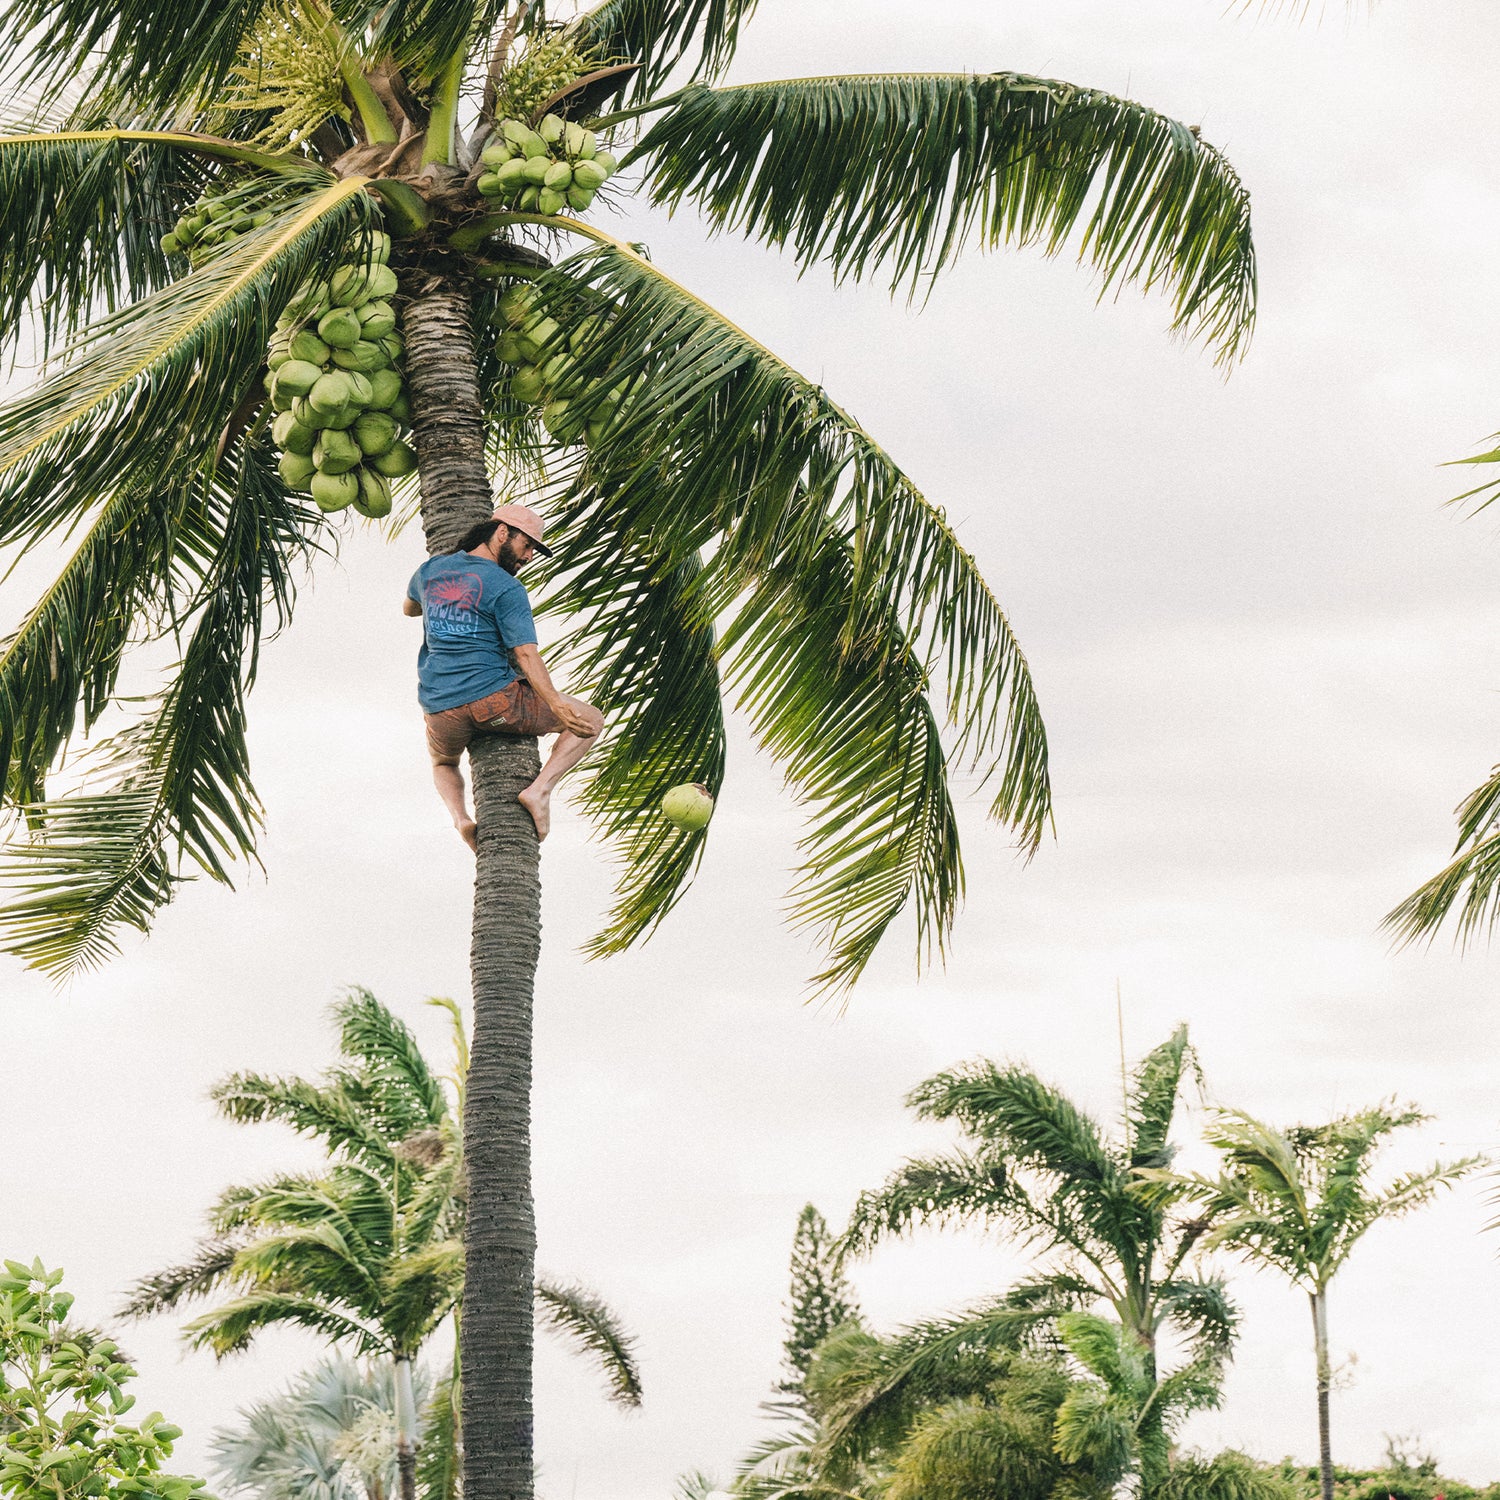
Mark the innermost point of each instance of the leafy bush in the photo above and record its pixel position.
(62, 1400)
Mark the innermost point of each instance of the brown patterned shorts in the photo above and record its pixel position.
(513, 710)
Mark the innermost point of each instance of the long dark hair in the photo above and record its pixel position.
(478, 534)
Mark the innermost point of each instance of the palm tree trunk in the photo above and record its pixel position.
(406, 1429)
(1319, 1300)
(500, 1234)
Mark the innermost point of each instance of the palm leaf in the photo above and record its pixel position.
(659, 34)
(837, 582)
(1155, 1087)
(326, 1114)
(650, 665)
(151, 387)
(211, 1268)
(1468, 884)
(902, 170)
(392, 1083)
(582, 1316)
(160, 54)
(231, 1328)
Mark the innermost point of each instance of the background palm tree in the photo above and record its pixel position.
(1113, 1259)
(727, 526)
(369, 1253)
(1299, 1200)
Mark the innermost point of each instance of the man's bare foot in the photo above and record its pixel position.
(539, 805)
(469, 833)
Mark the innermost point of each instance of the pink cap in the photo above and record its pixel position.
(526, 520)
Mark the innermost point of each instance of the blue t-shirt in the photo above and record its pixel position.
(473, 612)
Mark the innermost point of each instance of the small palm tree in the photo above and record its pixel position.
(1299, 1200)
(1039, 1169)
(369, 1253)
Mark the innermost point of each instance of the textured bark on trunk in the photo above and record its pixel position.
(495, 1335)
(406, 1429)
(1319, 1302)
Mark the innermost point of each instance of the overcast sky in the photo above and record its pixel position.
(1267, 654)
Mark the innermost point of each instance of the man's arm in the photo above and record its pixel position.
(409, 606)
(529, 660)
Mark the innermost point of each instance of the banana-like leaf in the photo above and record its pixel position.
(659, 34)
(102, 860)
(130, 407)
(900, 171)
(652, 668)
(837, 579)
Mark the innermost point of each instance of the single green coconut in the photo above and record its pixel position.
(580, 198)
(169, 244)
(527, 202)
(688, 807)
(551, 128)
(380, 247)
(540, 334)
(393, 344)
(308, 301)
(595, 431)
(343, 418)
(374, 493)
(516, 304)
(578, 142)
(335, 452)
(308, 346)
(584, 332)
(559, 176)
(291, 436)
(276, 358)
(375, 431)
(297, 377)
(295, 470)
(556, 419)
(512, 176)
(608, 161)
(383, 284)
(589, 175)
(366, 355)
(508, 350)
(558, 370)
(330, 392)
(550, 201)
(515, 131)
(533, 145)
(496, 154)
(376, 319)
(527, 385)
(488, 184)
(400, 409)
(263, 218)
(307, 415)
(397, 460)
(385, 386)
(339, 326)
(350, 285)
(334, 491)
(536, 169)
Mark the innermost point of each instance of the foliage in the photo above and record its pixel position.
(820, 1298)
(732, 495)
(330, 1435)
(63, 1433)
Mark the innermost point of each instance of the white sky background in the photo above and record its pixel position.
(1267, 657)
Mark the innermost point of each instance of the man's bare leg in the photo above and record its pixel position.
(567, 751)
(449, 781)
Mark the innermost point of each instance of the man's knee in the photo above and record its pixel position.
(596, 720)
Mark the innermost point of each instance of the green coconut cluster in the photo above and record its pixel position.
(213, 222)
(557, 165)
(547, 376)
(340, 404)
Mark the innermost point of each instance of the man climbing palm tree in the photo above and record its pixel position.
(477, 630)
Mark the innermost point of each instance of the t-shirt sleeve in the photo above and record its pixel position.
(414, 588)
(513, 618)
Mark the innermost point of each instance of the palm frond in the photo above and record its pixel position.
(423, 36)
(1154, 1093)
(231, 1327)
(81, 213)
(440, 1458)
(659, 34)
(162, 55)
(1201, 1311)
(902, 170)
(391, 1083)
(1469, 884)
(97, 862)
(150, 388)
(327, 1114)
(1226, 1476)
(650, 665)
(211, 1268)
(840, 585)
(583, 1317)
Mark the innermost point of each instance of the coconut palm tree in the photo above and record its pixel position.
(726, 526)
(1299, 1200)
(368, 1253)
(1113, 1254)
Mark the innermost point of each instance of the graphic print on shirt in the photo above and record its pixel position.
(450, 605)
